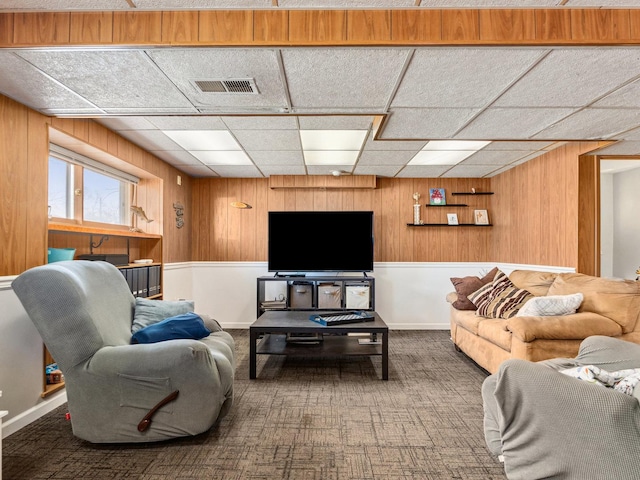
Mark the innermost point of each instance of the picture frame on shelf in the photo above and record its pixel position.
(481, 217)
(452, 219)
(437, 196)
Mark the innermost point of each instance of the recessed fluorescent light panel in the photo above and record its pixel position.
(203, 139)
(332, 147)
(221, 157)
(446, 152)
(330, 157)
(332, 139)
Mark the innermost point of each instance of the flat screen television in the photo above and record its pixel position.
(320, 241)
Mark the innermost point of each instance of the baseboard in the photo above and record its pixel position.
(25, 418)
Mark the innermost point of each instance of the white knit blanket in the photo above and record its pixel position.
(623, 381)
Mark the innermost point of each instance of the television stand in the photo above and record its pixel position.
(327, 292)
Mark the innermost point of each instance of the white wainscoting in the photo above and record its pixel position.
(408, 295)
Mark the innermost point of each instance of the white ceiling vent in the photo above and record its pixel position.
(228, 85)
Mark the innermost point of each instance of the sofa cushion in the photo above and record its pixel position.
(466, 285)
(495, 331)
(618, 300)
(536, 282)
(500, 298)
(550, 305)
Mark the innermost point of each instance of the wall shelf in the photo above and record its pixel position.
(448, 205)
(447, 225)
(471, 193)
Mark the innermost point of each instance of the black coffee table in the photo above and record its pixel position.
(275, 325)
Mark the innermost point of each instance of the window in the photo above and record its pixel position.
(83, 190)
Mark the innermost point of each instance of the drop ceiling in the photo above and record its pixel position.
(519, 101)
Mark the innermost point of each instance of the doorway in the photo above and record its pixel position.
(619, 217)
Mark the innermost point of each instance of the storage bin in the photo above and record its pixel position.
(60, 254)
(357, 297)
(300, 295)
(329, 296)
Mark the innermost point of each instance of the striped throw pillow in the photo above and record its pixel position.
(500, 298)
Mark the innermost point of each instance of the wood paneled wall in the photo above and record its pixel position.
(224, 233)
(543, 210)
(24, 148)
(324, 27)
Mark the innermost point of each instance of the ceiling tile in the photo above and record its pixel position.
(525, 145)
(268, 139)
(328, 169)
(526, 158)
(554, 81)
(423, 171)
(126, 123)
(276, 157)
(176, 157)
(626, 97)
(470, 171)
(633, 134)
(382, 158)
(602, 3)
(114, 79)
(489, 3)
(332, 139)
(379, 170)
(269, 170)
(237, 171)
(624, 147)
(17, 5)
(335, 77)
(201, 4)
(187, 122)
(388, 145)
(27, 85)
(197, 171)
(150, 139)
(426, 123)
(203, 139)
(336, 122)
(461, 77)
(512, 123)
(592, 123)
(267, 122)
(182, 66)
(328, 4)
(494, 157)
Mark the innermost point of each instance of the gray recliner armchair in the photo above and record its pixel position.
(118, 391)
(545, 424)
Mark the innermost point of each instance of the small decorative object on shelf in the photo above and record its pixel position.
(638, 273)
(416, 209)
(481, 217)
(436, 196)
(452, 219)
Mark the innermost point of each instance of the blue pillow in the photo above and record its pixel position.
(187, 325)
(147, 312)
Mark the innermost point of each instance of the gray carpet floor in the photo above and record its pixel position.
(312, 419)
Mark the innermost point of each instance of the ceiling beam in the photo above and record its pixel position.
(390, 27)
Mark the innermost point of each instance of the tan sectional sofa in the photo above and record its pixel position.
(610, 307)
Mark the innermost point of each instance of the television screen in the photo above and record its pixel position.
(320, 241)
